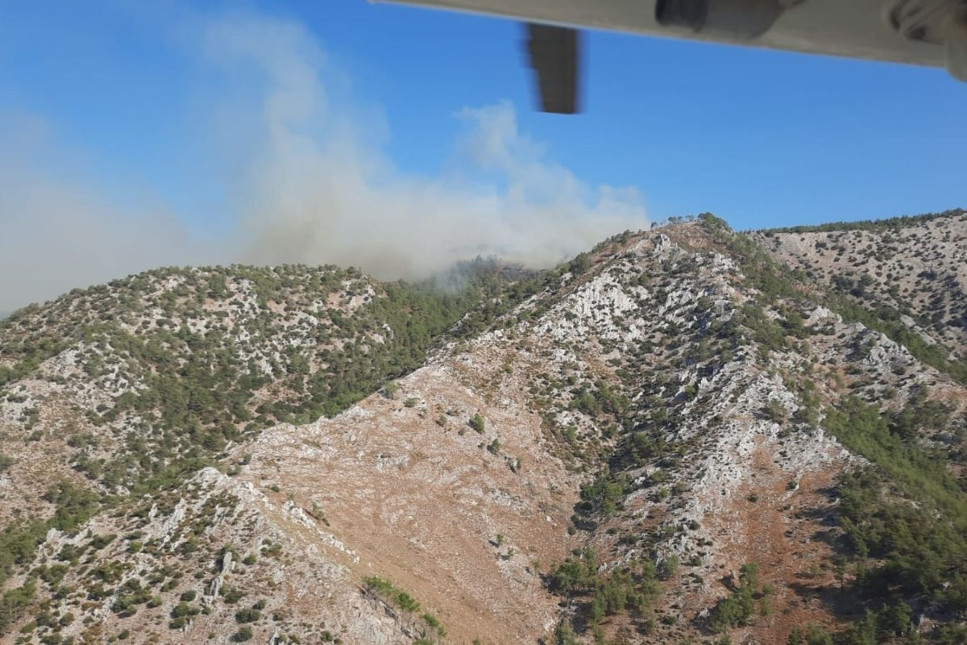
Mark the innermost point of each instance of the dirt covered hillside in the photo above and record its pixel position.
(682, 435)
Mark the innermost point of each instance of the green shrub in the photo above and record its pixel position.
(738, 609)
(630, 588)
(386, 590)
(667, 567)
(14, 601)
(231, 595)
(477, 423)
(183, 609)
(247, 615)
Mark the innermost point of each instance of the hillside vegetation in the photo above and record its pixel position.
(681, 435)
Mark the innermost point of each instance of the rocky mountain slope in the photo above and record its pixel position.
(679, 436)
(910, 270)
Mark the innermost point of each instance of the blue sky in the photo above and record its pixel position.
(154, 128)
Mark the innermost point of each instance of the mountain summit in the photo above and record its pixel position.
(682, 435)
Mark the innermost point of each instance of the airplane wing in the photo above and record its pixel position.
(919, 32)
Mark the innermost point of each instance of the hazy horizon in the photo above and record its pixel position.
(212, 133)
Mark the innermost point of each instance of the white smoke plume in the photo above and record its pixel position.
(308, 181)
(320, 194)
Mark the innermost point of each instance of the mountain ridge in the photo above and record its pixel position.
(639, 445)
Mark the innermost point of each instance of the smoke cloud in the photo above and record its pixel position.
(308, 181)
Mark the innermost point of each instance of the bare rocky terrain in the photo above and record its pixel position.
(683, 435)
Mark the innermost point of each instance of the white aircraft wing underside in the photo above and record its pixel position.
(850, 28)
